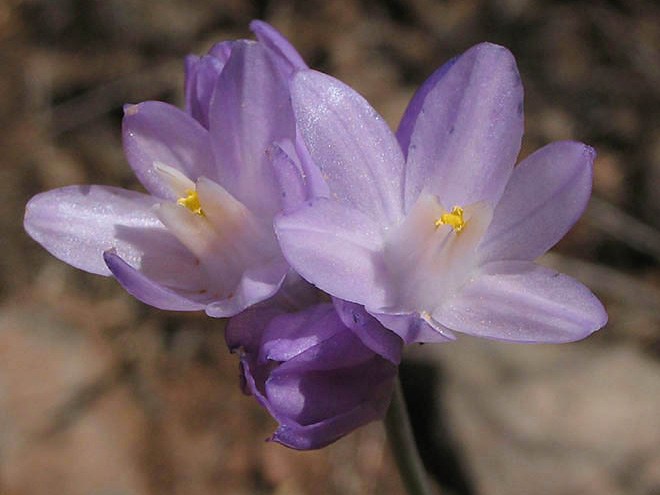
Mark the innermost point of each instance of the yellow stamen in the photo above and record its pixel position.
(191, 202)
(455, 219)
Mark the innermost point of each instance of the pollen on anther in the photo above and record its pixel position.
(454, 218)
(191, 202)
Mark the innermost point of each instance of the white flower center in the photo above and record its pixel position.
(218, 229)
(431, 253)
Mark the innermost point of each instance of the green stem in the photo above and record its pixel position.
(403, 445)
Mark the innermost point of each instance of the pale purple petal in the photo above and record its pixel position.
(78, 223)
(201, 76)
(289, 176)
(222, 51)
(412, 328)
(351, 144)
(159, 255)
(274, 40)
(316, 184)
(520, 301)
(336, 248)
(245, 329)
(250, 110)
(291, 334)
(189, 66)
(407, 124)
(546, 195)
(369, 330)
(257, 284)
(262, 281)
(156, 132)
(467, 134)
(146, 290)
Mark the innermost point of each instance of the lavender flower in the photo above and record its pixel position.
(203, 72)
(310, 370)
(438, 231)
(203, 237)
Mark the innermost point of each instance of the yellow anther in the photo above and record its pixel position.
(455, 219)
(191, 202)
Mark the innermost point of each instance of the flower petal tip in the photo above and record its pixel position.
(603, 319)
(487, 48)
(590, 152)
(258, 25)
(488, 45)
(131, 109)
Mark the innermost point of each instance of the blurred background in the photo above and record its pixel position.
(102, 395)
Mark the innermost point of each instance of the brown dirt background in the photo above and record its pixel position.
(102, 395)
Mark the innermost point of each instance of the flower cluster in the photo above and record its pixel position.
(280, 198)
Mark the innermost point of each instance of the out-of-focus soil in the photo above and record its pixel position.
(102, 395)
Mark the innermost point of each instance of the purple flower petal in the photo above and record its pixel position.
(200, 79)
(327, 391)
(407, 124)
(337, 249)
(201, 74)
(274, 40)
(78, 223)
(245, 329)
(315, 183)
(546, 195)
(351, 144)
(145, 289)
(520, 301)
(156, 132)
(323, 433)
(250, 110)
(290, 179)
(412, 328)
(309, 395)
(467, 134)
(328, 382)
(222, 51)
(295, 293)
(257, 284)
(369, 330)
(288, 335)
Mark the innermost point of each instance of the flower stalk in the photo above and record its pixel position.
(404, 448)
